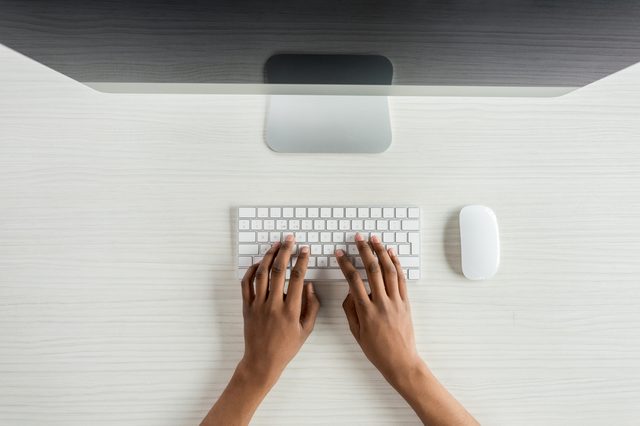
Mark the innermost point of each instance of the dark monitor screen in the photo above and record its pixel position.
(532, 43)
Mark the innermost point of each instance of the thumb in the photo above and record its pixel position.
(312, 306)
(349, 307)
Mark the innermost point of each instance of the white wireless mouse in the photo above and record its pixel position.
(479, 242)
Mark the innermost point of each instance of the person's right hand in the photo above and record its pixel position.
(380, 322)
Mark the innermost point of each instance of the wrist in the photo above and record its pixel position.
(257, 374)
(409, 378)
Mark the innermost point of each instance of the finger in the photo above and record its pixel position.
(296, 282)
(312, 306)
(350, 310)
(402, 280)
(262, 274)
(356, 286)
(374, 273)
(279, 269)
(248, 294)
(389, 272)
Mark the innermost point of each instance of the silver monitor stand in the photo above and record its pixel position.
(320, 123)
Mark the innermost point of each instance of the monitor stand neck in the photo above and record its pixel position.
(328, 123)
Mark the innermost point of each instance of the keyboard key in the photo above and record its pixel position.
(263, 237)
(388, 237)
(325, 237)
(313, 237)
(414, 239)
(263, 212)
(301, 237)
(344, 225)
(313, 212)
(338, 237)
(256, 224)
(410, 225)
(294, 225)
(321, 262)
(414, 274)
(401, 212)
(388, 212)
(363, 212)
(333, 262)
(307, 225)
(357, 225)
(414, 212)
(287, 212)
(401, 237)
(263, 249)
(382, 225)
(316, 249)
(332, 225)
(312, 262)
(245, 261)
(246, 212)
(301, 212)
(328, 249)
(376, 212)
(275, 212)
(351, 212)
(325, 274)
(352, 249)
(408, 262)
(246, 237)
(325, 212)
(338, 212)
(248, 249)
(369, 225)
(342, 247)
(244, 225)
(318, 224)
(274, 236)
(404, 249)
(269, 224)
(350, 237)
(281, 225)
(394, 225)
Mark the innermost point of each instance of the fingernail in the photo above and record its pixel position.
(375, 238)
(304, 249)
(359, 237)
(339, 253)
(392, 252)
(289, 238)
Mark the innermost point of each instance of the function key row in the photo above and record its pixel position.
(329, 212)
(330, 224)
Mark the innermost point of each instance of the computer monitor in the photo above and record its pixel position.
(377, 48)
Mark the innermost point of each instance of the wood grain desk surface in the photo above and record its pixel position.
(118, 302)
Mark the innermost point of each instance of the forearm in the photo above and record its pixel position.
(241, 397)
(429, 399)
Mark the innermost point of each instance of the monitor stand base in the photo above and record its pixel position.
(328, 124)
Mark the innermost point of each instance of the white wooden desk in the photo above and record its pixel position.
(118, 303)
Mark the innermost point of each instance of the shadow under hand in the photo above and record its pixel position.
(451, 242)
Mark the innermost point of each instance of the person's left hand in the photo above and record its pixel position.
(277, 324)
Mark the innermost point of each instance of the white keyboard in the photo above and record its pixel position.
(326, 229)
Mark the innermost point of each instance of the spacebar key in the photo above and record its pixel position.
(324, 274)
